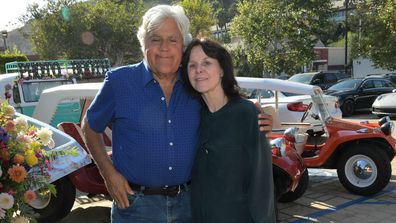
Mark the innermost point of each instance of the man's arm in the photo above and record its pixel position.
(116, 184)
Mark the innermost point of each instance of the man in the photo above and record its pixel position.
(154, 122)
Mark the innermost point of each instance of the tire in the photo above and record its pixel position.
(364, 182)
(59, 206)
(348, 108)
(299, 191)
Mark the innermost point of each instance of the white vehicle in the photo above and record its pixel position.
(385, 105)
(291, 107)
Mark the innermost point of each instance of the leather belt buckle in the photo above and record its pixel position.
(171, 191)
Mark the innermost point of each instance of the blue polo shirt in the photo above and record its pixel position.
(153, 144)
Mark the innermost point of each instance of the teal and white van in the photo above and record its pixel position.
(24, 82)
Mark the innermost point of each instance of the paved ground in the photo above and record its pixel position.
(325, 201)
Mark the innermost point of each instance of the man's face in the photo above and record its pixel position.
(164, 48)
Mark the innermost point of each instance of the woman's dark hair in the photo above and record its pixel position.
(216, 51)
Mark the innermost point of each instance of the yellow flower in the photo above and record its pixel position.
(31, 158)
(9, 111)
(17, 173)
(35, 146)
(19, 159)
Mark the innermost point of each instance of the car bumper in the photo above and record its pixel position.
(384, 111)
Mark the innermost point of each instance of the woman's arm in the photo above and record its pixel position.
(261, 186)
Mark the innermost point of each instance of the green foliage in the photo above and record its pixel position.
(71, 29)
(10, 57)
(243, 68)
(280, 35)
(201, 15)
(332, 33)
(375, 25)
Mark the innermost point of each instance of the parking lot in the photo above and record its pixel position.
(325, 200)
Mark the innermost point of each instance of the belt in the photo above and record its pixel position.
(170, 191)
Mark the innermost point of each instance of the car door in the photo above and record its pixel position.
(365, 95)
(370, 90)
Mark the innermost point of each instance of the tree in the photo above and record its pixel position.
(374, 22)
(279, 35)
(90, 29)
(201, 15)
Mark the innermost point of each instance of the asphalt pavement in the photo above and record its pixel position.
(325, 200)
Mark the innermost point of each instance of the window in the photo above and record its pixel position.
(31, 90)
(330, 78)
(382, 84)
(368, 84)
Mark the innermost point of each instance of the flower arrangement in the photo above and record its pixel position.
(25, 155)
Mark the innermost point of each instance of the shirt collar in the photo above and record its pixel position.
(148, 74)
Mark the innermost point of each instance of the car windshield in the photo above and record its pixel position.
(263, 93)
(302, 78)
(253, 93)
(32, 89)
(320, 105)
(346, 85)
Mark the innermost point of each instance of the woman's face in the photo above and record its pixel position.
(204, 72)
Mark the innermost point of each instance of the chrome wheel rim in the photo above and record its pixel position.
(361, 171)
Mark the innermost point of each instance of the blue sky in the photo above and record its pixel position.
(11, 10)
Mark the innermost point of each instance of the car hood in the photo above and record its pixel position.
(338, 124)
(385, 100)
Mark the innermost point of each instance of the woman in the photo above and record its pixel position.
(232, 173)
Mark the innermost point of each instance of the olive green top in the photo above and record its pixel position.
(232, 173)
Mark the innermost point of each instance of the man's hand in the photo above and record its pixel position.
(118, 188)
(264, 120)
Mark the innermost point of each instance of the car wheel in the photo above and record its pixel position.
(364, 169)
(53, 208)
(348, 108)
(299, 191)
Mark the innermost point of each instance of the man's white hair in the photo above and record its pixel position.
(156, 15)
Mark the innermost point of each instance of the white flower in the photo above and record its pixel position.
(20, 219)
(6, 201)
(21, 123)
(51, 144)
(44, 135)
(2, 213)
(24, 138)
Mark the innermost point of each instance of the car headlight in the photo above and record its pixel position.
(378, 98)
(383, 120)
(387, 128)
